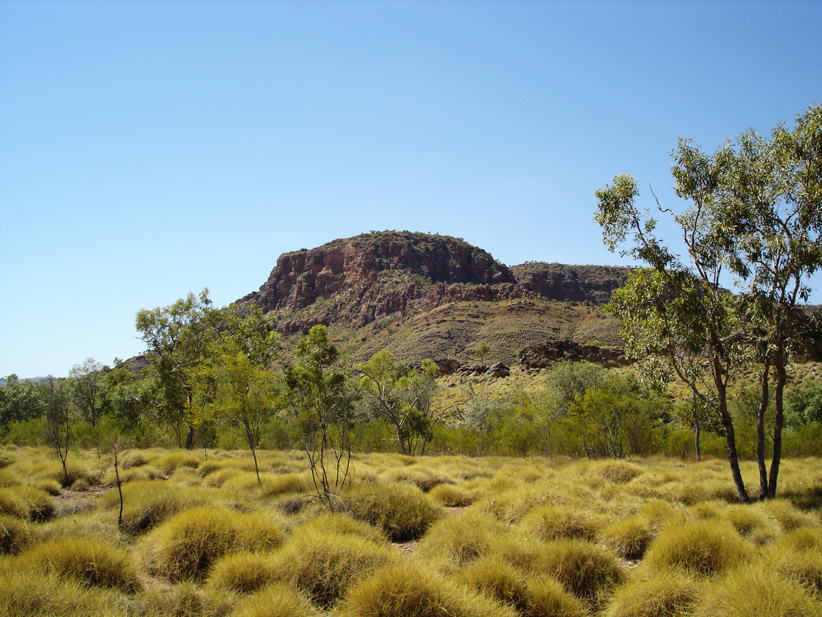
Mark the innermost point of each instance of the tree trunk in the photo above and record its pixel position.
(190, 437)
(697, 444)
(760, 430)
(781, 378)
(730, 437)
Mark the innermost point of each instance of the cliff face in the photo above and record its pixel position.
(358, 280)
(376, 274)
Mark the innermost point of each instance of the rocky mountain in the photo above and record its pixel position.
(427, 295)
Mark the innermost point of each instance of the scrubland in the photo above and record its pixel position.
(418, 536)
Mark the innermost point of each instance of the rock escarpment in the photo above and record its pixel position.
(362, 278)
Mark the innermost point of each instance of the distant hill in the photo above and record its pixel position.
(426, 295)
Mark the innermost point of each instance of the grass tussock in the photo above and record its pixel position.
(324, 567)
(403, 512)
(276, 599)
(619, 472)
(585, 569)
(26, 593)
(15, 534)
(188, 544)
(26, 502)
(409, 590)
(341, 524)
(461, 538)
(530, 596)
(91, 561)
(452, 496)
(147, 504)
(699, 547)
(666, 594)
(244, 572)
(629, 538)
(753, 591)
(552, 522)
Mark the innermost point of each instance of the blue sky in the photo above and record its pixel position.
(149, 149)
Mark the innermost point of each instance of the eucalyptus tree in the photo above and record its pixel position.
(755, 211)
(234, 383)
(401, 396)
(88, 391)
(772, 198)
(60, 419)
(177, 336)
(323, 397)
(677, 311)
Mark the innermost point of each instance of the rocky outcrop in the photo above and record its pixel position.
(571, 283)
(542, 356)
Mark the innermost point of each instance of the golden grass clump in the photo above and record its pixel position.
(753, 523)
(700, 547)
(324, 567)
(629, 538)
(169, 463)
(276, 599)
(452, 496)
(408, 590)
(461, 538)
(789, 516)
(402, 511)
(147, 504)
(15, 534)
(26, 502)
(340, 523)
(586, 570)
(422, 477)
(187, 545)
(553, 522)
(26, 593)
(619, 472)
(530, 596)
(90, 560)
(756, 591)
(666, 594)
(183, 600)
(244, 572)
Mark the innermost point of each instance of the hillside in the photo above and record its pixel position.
(423, 295)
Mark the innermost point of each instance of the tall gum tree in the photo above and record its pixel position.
(754, 211)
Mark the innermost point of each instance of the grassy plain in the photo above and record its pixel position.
(427, 536)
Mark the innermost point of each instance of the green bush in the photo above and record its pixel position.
(404, 512)
(187, 545)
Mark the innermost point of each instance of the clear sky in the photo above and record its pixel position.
(152, 148)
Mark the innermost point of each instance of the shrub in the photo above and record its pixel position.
(668, 594)
(403, 512)
(408, 590)
(751, 590)
(90, 560)
(185, 546)
(324, 567)
(698, 547)
(14, 534)
(552, 522)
